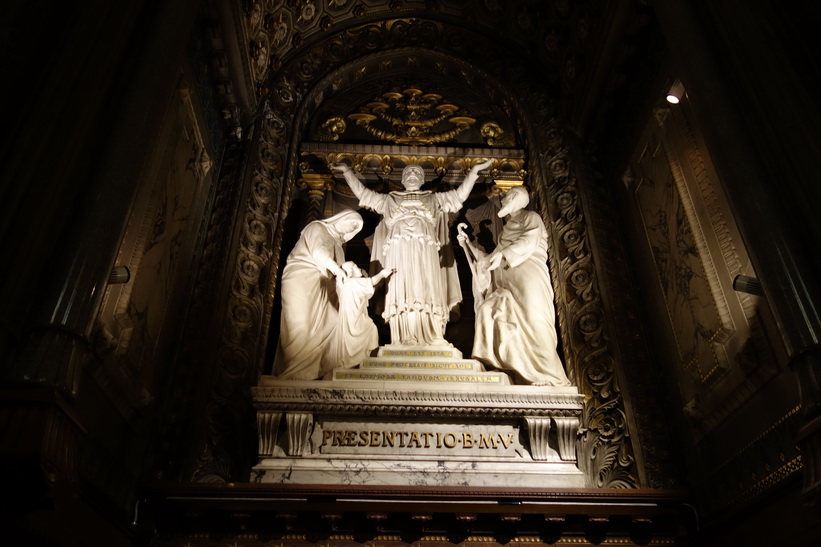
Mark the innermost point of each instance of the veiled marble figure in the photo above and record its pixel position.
(310, 304)
(409, 240)
(515, 321)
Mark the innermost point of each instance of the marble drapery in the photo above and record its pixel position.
(310, 303)
(515, 323)
(425, 288)
(412, 240)
(355, 334)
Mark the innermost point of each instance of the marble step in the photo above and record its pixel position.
(421, 352)
(436, 376)
(429, 364)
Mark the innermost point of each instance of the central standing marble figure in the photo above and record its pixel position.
(408, 240)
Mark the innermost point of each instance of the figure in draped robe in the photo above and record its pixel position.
(515, 321)
(310, 305)
(355, 335)
(412, 241)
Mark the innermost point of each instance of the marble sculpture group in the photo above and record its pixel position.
(325, 323)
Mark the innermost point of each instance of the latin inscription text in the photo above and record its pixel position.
(415, 439)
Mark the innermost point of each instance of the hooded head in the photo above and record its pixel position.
(344, 225)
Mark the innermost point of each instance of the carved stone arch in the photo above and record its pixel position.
(605, 452)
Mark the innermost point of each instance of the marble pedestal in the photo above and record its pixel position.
(417, 416)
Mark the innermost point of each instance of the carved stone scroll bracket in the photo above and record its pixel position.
(538, 428)
(299, 431)
(567, 430)
(268, 427)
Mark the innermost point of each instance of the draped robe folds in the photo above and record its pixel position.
(515, 325)
(355, 333)
(309, 305)
(409, 240)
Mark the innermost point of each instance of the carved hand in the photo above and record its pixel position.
(495, 261)
(336, 270)
(479, 166)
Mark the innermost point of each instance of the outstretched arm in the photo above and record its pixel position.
(467, 185)
(380, 276)
(353, 181)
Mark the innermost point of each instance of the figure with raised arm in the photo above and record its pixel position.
(410, 241)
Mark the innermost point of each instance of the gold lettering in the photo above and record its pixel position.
(326, 435)
(416, 439)
(509, 439)
(387, 438)
(486, 440)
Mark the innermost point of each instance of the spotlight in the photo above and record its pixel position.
(676, 92)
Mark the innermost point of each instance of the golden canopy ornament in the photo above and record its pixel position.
(411, 117)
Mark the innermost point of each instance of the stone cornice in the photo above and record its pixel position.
(326, 397)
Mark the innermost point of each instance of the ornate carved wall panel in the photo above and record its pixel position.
(242, 340)
(138, 318)
(604, 444)
(556, 33)
(697, 252)
(714, 342)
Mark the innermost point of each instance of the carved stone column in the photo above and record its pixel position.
(567, 429)
(317, 185)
